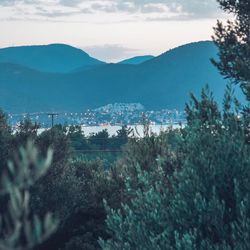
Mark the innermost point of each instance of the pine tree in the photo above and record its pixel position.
(233, 41)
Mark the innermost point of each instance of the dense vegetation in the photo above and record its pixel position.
(183, 189)
(72, 188)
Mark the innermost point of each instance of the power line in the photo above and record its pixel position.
(98, 151)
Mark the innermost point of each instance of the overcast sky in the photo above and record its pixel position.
(110, 30)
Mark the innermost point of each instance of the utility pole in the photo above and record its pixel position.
(52, 115)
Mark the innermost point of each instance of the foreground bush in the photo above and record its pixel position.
(205, 203)
(19, 228)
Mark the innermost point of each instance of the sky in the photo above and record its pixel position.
(110, 30)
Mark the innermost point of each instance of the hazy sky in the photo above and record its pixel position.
(108, 29)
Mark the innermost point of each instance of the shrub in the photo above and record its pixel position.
(203, 204)
(19, 228)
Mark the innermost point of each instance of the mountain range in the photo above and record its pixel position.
(62, 78)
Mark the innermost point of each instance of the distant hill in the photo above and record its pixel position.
(162, 82)
(136, 60)
(55, 58)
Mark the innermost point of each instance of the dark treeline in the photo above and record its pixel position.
(185, 189)
(101, 141)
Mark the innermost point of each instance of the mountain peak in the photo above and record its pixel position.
(52, 58)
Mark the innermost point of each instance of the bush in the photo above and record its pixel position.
(19, 228)
(203, 204)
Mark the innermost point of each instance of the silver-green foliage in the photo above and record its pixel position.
(19, 229)
(205, 203)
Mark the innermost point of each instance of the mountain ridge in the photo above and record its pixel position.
(162, 82)
(54, 58)
(136, 60)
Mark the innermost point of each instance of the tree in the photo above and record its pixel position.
(24, 132)
(5, 141)
(206, 109)
(43, 193)
(77, 138)
(233, 41)
(100, 139)
(204, 204)
(121, 138)
(58, 141)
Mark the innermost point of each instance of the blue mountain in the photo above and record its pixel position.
(162, 82)
(136, 60)
(55, 58)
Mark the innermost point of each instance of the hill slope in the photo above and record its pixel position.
(59, 58)
(136, 60)
(162, 82)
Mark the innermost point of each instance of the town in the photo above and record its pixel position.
(118, 114)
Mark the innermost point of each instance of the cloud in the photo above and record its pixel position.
(200, 9)
(70, 2)
(191, 8)
(154, 8)
(7, 3)
(110, 52)
(144, 9)
(188, 8)
(60, 13)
